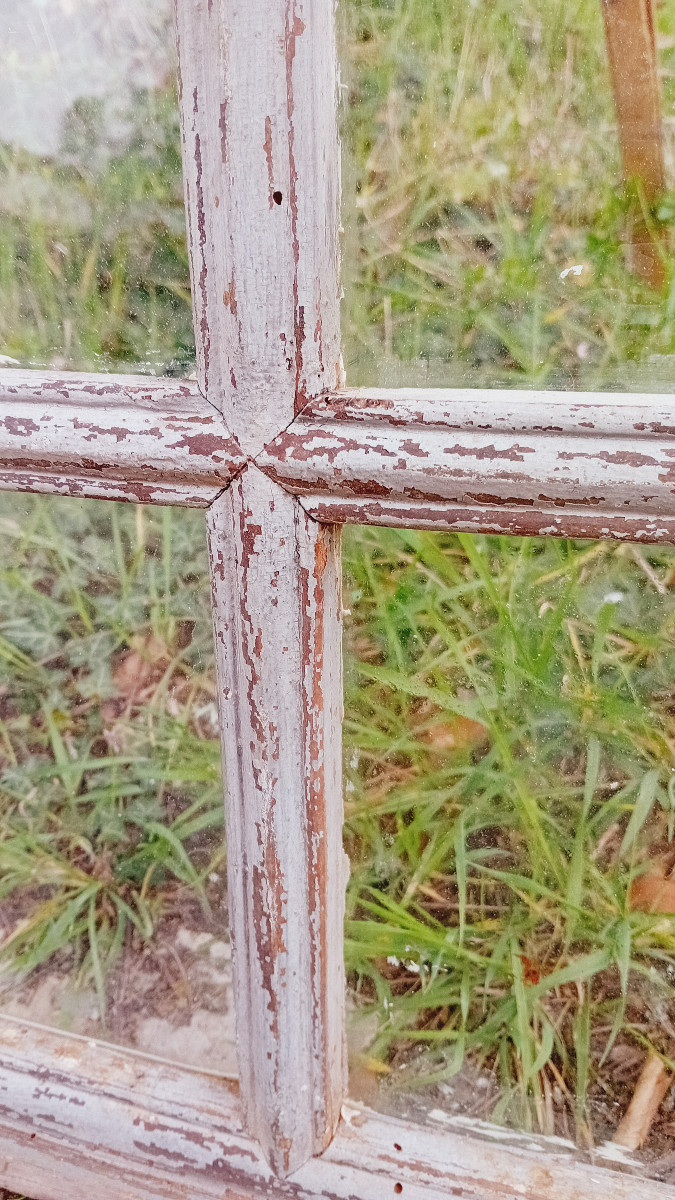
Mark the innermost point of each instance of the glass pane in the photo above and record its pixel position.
(93, 258)
(510, 819)
(113, 908)
(489, 238)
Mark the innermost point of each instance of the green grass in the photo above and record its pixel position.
(93, 258)
(110, 792)
(510, 728)
(482, 162)
(510, 748)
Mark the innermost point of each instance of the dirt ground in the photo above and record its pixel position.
(171, 998)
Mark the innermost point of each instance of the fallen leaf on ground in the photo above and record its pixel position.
(458, 734)
(652, 893)
(141, 666)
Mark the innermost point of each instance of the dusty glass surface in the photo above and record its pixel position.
(113, 912)
(489, 238)
(510, 820)
(93, 259)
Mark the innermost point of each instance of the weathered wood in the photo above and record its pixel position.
(258, 93)
(277, 619)
(119, 437)
(633, 62)
(79, 1118)
(634, 69)
(258, 82)
(529, 463)
(597, 465)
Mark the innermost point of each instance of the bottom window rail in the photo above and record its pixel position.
(77, 1114)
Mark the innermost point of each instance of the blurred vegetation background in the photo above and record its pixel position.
(510, 704)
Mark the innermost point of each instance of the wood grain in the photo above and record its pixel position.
(81, 1118)
(277, 619)
(258, 84)
(117, 437)
(523, 463)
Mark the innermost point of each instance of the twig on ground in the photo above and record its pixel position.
(649, 571)
(650, 1090)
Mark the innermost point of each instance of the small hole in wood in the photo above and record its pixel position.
(398, 1188)
(396, 1146)
(277, 197)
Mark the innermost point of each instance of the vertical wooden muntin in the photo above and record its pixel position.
(258, 82)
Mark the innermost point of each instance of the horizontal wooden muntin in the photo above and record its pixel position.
(117, 437)
(80, 1117)
(585, 465)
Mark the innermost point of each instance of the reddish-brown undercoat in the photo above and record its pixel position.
(412, 448)
(488, 500)
(208, 445)
(582, 501)
(657, 427)
(269, 919)
(318, 329)
(521, 523)
(203, 270)
(626, 458)
(20, 426)
(294, 29)
(511, 454)
(230, 298)
(120, 434)
(300, 446)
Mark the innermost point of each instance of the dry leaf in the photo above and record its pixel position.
(652, 893)
(141, 666)
(460, 733)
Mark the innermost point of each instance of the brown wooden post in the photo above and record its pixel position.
(633, 64)
(258, 83)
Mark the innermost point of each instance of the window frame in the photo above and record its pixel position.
(281, 453)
